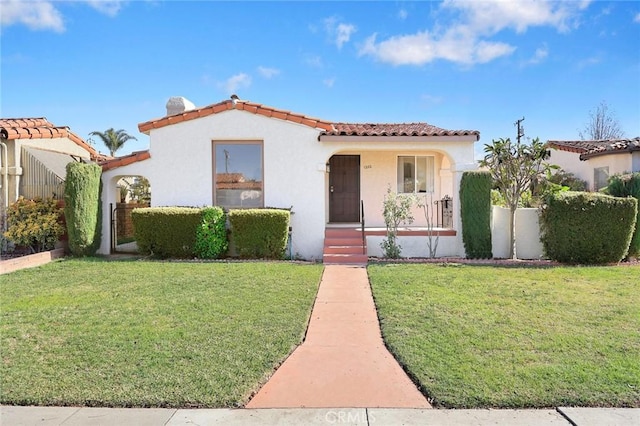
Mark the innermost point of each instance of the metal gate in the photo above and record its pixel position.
(122, 235)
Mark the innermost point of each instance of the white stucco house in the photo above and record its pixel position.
(239, 154)
(595, 161)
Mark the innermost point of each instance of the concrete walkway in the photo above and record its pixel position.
(343, 361)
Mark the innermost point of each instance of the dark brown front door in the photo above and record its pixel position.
(344, 188)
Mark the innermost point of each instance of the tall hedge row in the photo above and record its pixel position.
(628, 185)
(166, 232)
(587, 228)
(475, 207)
(83, 209)
(260, 233)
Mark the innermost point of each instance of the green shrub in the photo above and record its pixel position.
(83, 210)
(587, 228)
(396, 209)
(628, 185)
(211, 235)
(36, 223)
(166, 232)
(475, 211)
(260, 233)
(568, 179)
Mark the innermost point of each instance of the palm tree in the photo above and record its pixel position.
(113, 139)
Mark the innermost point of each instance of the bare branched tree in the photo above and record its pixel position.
(602, 125)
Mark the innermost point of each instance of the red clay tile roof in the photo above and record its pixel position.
(125, 160)
(41, 128)
(588, 149)
(239, 105)
(328, 128)
(395, 129)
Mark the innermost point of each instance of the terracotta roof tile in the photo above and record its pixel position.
(395, 129)
(41, 128)
(588, 149)
(328, 128)
(125, 160)
(240, 105)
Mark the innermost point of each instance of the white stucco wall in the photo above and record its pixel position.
(416, 246)
(180, 170)
(528, 245)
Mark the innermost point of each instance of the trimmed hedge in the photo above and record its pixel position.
(211, 235)
(628, 185)
(166, 232)
(83, 209)
(260, 233)
(475, 210)
(587, 228)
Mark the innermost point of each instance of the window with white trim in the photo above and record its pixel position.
(416, 174)
(238, 174)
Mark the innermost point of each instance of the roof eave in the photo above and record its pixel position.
(473, 137)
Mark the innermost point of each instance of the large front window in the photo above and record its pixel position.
(238, 174)
(415, 174)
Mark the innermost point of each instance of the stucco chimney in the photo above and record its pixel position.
(178, 105)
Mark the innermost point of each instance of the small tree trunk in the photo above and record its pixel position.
(512, 232)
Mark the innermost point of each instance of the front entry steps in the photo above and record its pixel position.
(344, 246)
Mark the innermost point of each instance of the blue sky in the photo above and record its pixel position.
(479, 65)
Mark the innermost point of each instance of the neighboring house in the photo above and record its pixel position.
(34, 154)
(239, 154)
(595, 161)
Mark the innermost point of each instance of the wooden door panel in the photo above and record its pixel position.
(344, 188)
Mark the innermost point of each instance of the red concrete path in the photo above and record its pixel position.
(343, 361)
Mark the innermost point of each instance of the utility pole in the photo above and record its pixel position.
(518, 124)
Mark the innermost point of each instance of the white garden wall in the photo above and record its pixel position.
(528, 245)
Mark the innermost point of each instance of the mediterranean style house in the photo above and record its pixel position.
(595, 161)
(240, 154)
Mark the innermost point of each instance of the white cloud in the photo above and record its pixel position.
(403, 14)
(470, 39)
(36, 15)
(329, 82)
(40, 15)
(313, 61)
(268, 72)
(496, 15)
(423, 47)
(235, 82)
(540, 55)
(593, 60)
(637, 18)
(339, 32)
(108, 7)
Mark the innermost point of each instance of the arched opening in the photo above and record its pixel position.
(132, 192)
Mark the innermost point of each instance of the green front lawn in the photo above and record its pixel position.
(478, 336)
(92, 332)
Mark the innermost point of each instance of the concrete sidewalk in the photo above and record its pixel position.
(70, 416)
(343, 361)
